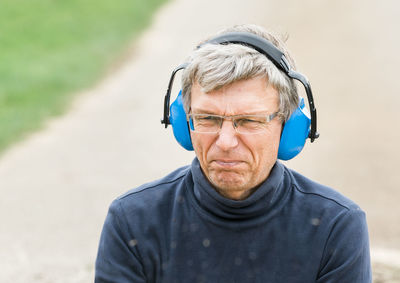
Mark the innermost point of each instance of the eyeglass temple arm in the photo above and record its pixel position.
(165, 119)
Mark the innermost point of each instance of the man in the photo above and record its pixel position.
(236, 214)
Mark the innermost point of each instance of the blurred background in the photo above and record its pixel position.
(81, 91)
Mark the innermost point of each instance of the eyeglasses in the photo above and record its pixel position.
(243, 124)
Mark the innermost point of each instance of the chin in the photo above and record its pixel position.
(228, 181)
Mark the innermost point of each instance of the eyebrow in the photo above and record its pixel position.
(204, 111)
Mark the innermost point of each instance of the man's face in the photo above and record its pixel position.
(236, 163)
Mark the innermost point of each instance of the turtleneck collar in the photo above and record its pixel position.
(224, 211)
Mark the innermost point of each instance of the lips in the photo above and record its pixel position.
(227, 163)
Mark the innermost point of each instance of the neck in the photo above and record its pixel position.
(227, 209)
(233, 192)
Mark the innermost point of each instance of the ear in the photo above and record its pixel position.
(294, 133)
(179, 123)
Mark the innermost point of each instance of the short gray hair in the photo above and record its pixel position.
(213, 66)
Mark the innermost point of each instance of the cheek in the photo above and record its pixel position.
(201, 145)
(263, 152)
(264, 149)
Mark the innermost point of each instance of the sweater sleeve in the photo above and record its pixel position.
(346, 256)
(117, 260)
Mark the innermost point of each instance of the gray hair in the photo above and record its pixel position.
(213, 66)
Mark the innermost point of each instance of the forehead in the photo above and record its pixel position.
(241, 97)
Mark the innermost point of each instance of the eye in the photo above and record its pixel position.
(206, 120)
(248, 121)
(205, 117)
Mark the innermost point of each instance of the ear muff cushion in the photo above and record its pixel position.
(179, 124)
(294, 133)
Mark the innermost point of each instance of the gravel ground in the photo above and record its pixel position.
(57, 184)
(386, 274)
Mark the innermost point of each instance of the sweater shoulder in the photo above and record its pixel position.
(155, 191)
(316, 191)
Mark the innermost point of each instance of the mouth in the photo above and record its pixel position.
(227, 163)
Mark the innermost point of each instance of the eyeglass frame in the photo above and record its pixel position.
(233, 118)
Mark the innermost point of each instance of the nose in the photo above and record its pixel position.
(227, 136)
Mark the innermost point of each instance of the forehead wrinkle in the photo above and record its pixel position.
(235, 106)
(229, 101)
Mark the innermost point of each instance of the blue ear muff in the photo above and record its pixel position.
(179, 124)
(294, 133)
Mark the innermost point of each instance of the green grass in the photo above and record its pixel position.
(49, 49)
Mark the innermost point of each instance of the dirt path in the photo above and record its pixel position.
(56, 186)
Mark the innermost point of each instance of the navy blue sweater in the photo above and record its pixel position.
(179, 229)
